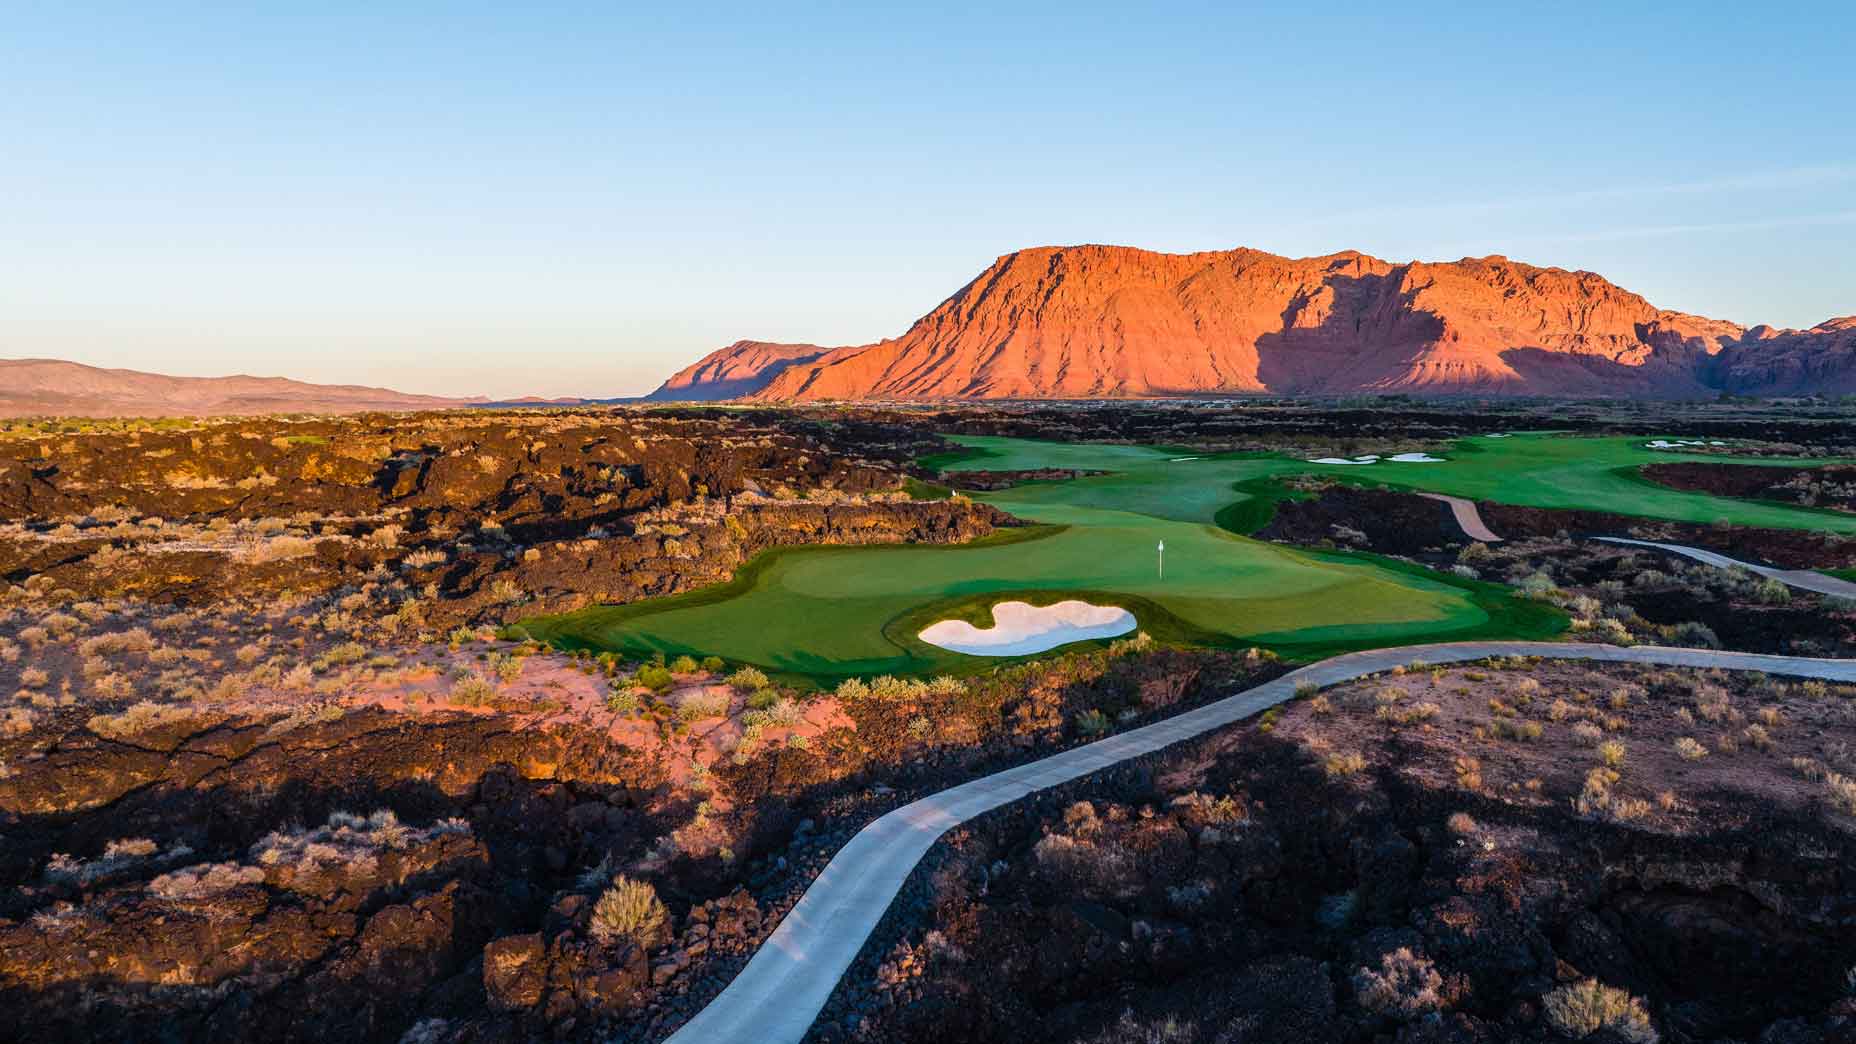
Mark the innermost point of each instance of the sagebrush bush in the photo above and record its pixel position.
(702, 703)
(1581, 1009)
(1343, 763)
(748, 679)
(1404, 986)
(629, 911)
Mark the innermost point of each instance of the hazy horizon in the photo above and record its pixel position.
(578, 201)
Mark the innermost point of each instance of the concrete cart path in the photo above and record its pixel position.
(1467, 517)
(1803, 579)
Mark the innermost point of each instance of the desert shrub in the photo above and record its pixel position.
(472, 690)
(1690, 750)
(1304, 689)
(622, 701)
(203, 881)
(347, 840)
(630, 911)
(748, 679)
(1581, 1009)
(1841, 791)
(683, 665)
(1343, 763)
(947, 687)
(1772, 592)
(1694, 635)
(1408, 714)
(1092, 722)
(777, 711)
(702, 703)
(1474, 553)
(1200, 809)
(850, 690)
(1099, 871)
(655, 677)
(1611, 752)
(1404, 986)
(1468, 772)
(143, 717)
(1461, 824)
(117, 855)
(1515, 729)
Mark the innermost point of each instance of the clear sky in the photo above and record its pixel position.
(578, 199)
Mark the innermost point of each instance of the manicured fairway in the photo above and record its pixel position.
(829, 612)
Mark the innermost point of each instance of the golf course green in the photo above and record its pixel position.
(829, 612)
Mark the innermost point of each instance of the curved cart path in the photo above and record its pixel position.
(1803, 579)
(780, 992)
(1467, 517)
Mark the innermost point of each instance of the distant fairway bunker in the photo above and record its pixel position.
(1020, 628)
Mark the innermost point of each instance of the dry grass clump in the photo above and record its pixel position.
(629, 910)
(1583, 1008)
(702, 703)
(1611, 752)
(1099, 871)
(783, 712)
(275, 549)
(118, 855)
(143, 717)
(1515, 729)
(1201, 809)
(1841, 792)
(748, 679)
(1461, 824)
(348, 840)
(1341, 764)
(203, 881)
(472, 690)
(1689, 749)
(1404, 986)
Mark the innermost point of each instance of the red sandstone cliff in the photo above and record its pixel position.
(1098, 321)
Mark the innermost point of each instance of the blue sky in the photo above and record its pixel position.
(578, 199)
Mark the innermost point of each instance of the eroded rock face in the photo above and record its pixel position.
(1101, 321)
(482, 511)
(740, 369)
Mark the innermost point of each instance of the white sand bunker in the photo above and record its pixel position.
(1679, 443)
(1374, 458)
(1019, 628)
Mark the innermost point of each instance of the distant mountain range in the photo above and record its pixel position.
(1105, 321)
(40, 387)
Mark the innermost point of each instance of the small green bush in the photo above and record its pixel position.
(748, 679)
